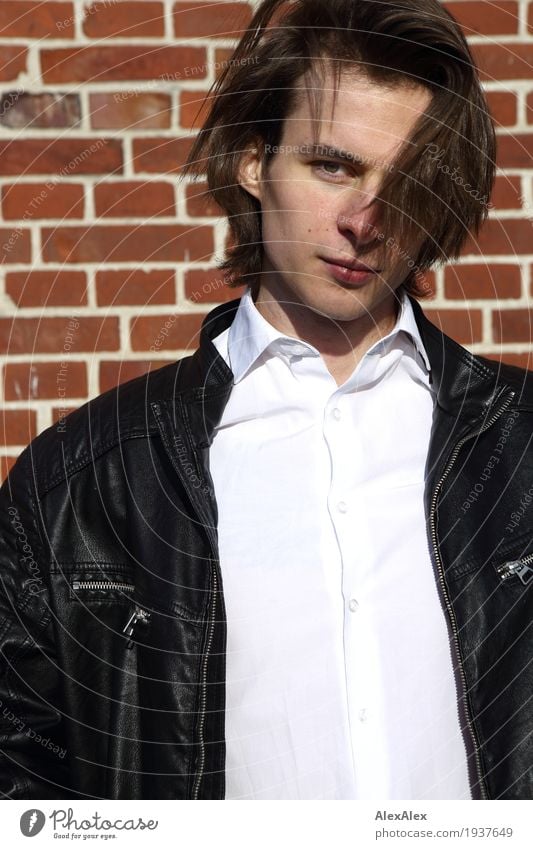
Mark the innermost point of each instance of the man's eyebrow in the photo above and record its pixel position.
(332, 152)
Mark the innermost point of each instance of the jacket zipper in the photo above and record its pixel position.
(102, 585)
(139, 616)
(203, 691)
(440, 571)
(522, 568)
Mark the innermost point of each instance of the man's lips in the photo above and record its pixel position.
(349, 272)
(354, 264)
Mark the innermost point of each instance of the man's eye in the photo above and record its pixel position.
(332, 169)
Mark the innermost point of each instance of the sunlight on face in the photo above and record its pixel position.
(315, 199)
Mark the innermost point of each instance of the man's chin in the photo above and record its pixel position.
(332, 301)
(346, 306)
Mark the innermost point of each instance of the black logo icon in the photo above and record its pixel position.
(31, 822)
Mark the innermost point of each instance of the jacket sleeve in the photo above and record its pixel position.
(33, 755)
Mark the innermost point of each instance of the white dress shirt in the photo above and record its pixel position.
(339, 667)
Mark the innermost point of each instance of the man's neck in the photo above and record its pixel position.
(342, 344)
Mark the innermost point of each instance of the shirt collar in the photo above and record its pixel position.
(250, 335)
(405, 326)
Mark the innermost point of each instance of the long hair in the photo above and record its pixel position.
(442, 177)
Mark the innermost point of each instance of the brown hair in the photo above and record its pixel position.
(441, 179)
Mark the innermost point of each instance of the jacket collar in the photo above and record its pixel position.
(462, 381)
(466, 386)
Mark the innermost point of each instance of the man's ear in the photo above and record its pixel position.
(249, 170)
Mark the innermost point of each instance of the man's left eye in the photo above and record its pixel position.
(333, 169)
(327, 165)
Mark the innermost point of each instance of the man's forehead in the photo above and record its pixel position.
(357, 114)
(325, 85)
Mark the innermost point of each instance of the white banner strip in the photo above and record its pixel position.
(268, 825)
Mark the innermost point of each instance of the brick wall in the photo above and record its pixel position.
(108, 266)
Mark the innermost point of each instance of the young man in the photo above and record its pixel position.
(285, 567)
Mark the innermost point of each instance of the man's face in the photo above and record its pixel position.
(315, 204)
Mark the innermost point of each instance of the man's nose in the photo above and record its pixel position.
(358, 213)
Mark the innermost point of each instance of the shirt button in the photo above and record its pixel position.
(342, 507)
(362, 715)
(353, 604)
(336, 413)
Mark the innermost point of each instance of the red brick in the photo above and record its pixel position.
(114, 372)
(160, 155)
(482, 281)
(13, 61)
(36, 200)
(521, 360)
(37, 381)
(141, 243)
(30, 111)
(209, 286)
(199, 203)
(17, 427)
(130, 110)
(504, 107)
(510, 236)
(59, 414)
(36, 20)
(194, 106)
(128, 62)
(52, 335)
(226, 20)
(465, 326)
(500, 18)
(47, 288)
(65, 156)
(515, 150)
(223, 56)
(6, 463)
(512, 325)
(509, 61)
(166, 332)
(15, 245)
(530, 18)
(135, 287)
(134, 200)
(125, 20)
(507, 192)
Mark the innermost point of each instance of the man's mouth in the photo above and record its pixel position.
(349, 271)
(353, 264)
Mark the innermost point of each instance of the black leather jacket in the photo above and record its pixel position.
(112, 621)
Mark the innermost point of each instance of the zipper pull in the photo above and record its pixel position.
(516, 567)
(138, 615)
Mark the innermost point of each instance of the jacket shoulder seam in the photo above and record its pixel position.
(86, 459)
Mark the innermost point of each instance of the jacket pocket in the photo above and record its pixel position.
(88, 583)
(511, 562)
(513, 571)
(100, 589)
(93, 602)
(137, 622)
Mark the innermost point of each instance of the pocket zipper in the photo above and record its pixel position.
(139, 616)
(523, 568)
(102, 585)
